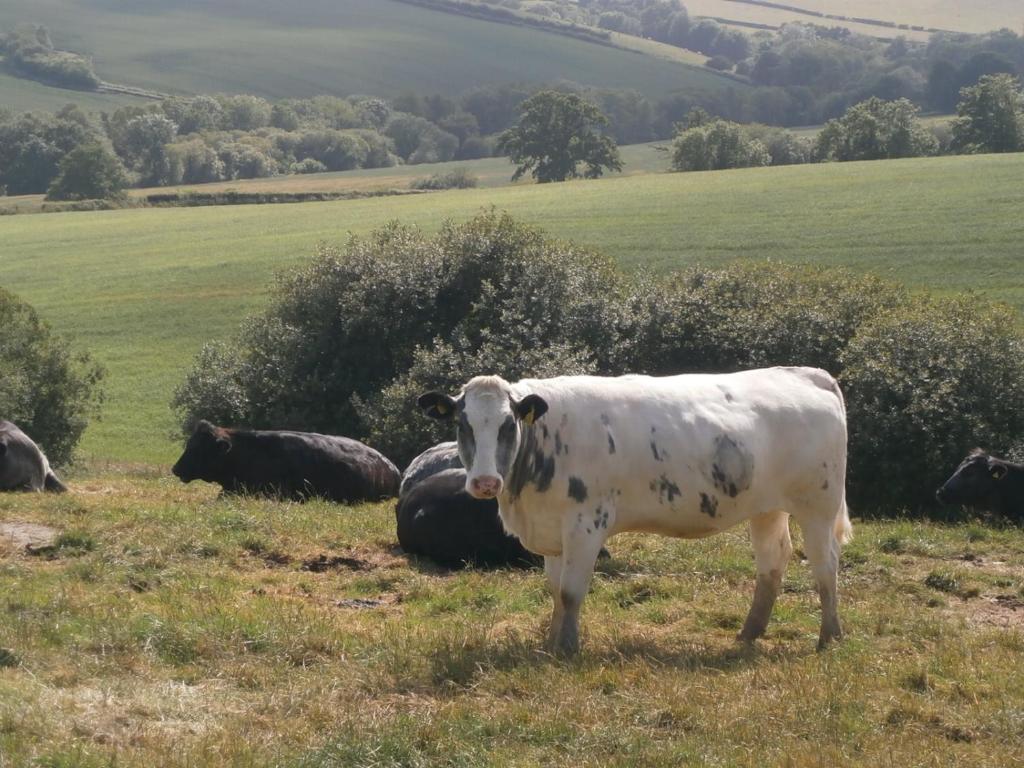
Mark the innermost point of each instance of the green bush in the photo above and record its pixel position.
(351, 339)
(46, 388)
(460, 178)
(342, 329)
(924, 383)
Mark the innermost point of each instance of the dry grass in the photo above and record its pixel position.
(168, 627)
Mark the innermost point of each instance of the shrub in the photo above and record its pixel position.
(459, 178)
(47, 389)
(925, 382)
(322, 353)
(309, 165)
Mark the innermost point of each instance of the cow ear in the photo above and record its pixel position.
(531, 408)
(437, 405)
(998, 471)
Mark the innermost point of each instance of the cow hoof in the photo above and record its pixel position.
(824, 641)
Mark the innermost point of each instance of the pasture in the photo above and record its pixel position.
(163, 626)
(341, 47)
(954, 15)
(144, 289)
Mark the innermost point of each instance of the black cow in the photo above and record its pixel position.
(439, 520)
(23, 466)
(984, 482)
(287, 465)
(433, 460)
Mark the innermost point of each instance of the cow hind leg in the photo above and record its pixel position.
(822, 550)
(769, 534)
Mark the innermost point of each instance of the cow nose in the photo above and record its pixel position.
(940, 495)
(485, 486)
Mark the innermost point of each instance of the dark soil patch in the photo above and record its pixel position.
(322, 563)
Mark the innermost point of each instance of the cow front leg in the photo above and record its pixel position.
(769, 534)
(580, 548)
(553, 572)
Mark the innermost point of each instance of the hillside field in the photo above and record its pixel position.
(144, 289)
(308, 47)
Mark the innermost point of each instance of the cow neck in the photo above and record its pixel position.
(1011, 492)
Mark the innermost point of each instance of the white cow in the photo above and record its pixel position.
(576, 459)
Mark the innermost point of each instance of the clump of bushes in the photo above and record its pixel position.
(459, 178)
(353, 337)
(30, 52)
(47, 388)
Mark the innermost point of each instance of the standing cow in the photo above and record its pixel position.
(574, 460)
(287, 465)
(23, 466)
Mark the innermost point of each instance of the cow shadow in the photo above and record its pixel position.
(694, 657)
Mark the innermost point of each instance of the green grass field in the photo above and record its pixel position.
(165, 627)
(144, 289)
(343, 47)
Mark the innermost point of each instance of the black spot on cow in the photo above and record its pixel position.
(558, 443)
(732, 466)
(530, 465)
(600, 518)
(611, 444)
(824, 486)
(577, 489)
(729, 397)
(654, 450)
(544, 431)
(544, 471)
(708, 505)
(666, 489)
(605, 420)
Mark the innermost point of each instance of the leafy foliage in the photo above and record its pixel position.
(556, 133)
(926, 381)
(89, 172)
(990, 116)
(715, 146)
(47, 388)
(30, 52)
(876, 130)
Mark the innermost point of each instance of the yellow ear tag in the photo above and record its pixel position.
(528, 418)
(996, 474)
(441, 408)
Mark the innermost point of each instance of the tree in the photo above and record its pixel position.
(990, 116)
(557, 132)
(716, 146)
(89, 172)
(876, 130)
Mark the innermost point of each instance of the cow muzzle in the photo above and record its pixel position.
(485, 487)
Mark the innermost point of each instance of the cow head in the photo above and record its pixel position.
(204, 454)
(975, 480)
(489, 423)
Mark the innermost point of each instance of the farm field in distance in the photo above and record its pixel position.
(144, 289)
(310, 47)
(977, 17)
(166, 627)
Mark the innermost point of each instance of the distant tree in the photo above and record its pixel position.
(373, 112)
(876, 130)
(143, 144)
(32, 145)
(197, 160)
(617, 21)
(990, 116)
(716, 146)
(284, 117)
(245, 112)
(556, 133)
(678, 28)
(88, 172)
(703, 35)
(417, 140)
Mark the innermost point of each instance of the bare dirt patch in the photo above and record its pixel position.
(18, 538)
(1006, 611)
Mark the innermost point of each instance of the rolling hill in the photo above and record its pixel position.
(144, 289)
(343, 47)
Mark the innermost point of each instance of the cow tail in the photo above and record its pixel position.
(843, 528)
(52, 484)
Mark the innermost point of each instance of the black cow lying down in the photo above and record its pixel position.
(439, 520)
(23, 467)
(287, 465)
(984, 482)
